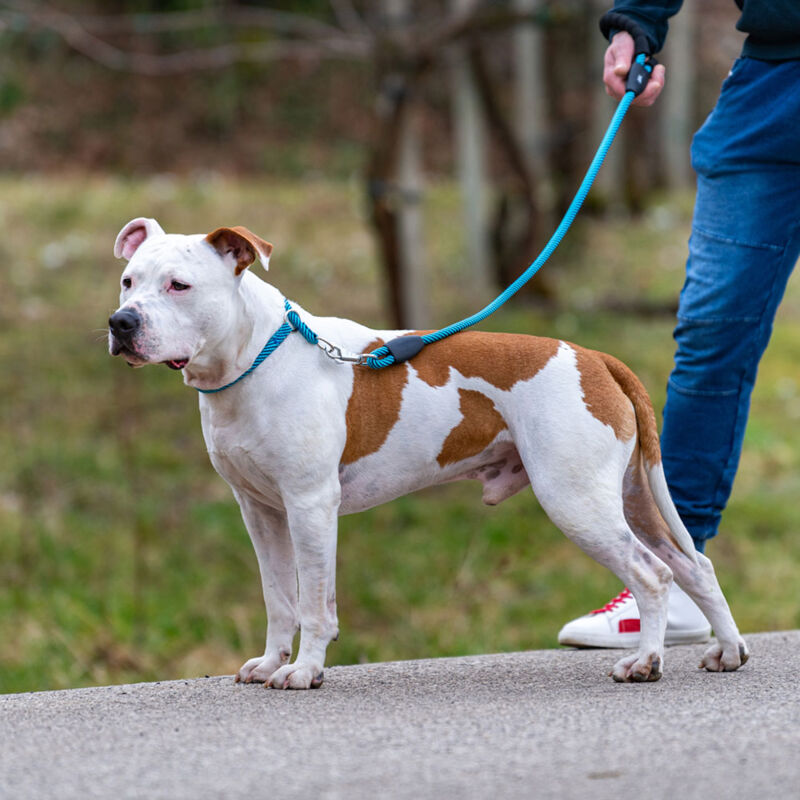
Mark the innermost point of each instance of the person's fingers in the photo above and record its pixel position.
(653, 88)
(617, 64)
(623, 45)
(615, 85)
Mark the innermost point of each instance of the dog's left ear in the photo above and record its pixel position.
(241, 246)
(133, 234)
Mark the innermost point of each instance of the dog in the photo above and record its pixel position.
(302, 439)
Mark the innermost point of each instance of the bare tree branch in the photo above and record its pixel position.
(420, 45)
(282, 22)
(348, 18)
(87, 43)
(476, 22)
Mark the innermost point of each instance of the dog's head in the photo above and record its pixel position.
(177, 292)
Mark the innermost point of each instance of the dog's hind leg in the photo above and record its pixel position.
(269, 532)
(587, 506)
(645, 575)
(695, 576)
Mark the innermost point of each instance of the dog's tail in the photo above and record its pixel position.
(650, 449)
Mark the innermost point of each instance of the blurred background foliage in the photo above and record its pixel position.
(122, 554)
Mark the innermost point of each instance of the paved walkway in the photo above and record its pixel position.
(544, 724)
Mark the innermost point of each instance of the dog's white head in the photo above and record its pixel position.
(178, 292)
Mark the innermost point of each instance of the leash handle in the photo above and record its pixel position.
(643, 64)
(614, 21)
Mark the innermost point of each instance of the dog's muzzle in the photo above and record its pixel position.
(124, 325)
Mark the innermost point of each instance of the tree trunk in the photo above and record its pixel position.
(515, 226)
(676, 119)
(394, 179)
(607, 190)
(471, 166)
(411, 244)
(530, 84)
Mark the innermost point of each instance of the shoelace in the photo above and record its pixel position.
(612, 604)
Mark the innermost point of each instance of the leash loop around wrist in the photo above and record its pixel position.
(642, 67)
(613, 22)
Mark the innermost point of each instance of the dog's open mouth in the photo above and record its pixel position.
(132, 358)
(177, 363)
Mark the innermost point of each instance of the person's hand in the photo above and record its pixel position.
(617, 64)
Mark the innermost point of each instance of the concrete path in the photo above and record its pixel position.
(545, 724)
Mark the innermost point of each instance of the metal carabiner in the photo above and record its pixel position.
(335, 353)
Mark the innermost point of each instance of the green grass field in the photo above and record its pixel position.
(122, 554)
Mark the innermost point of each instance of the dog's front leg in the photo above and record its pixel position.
(269, 532)
(313, 521)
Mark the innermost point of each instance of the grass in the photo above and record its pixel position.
(122, 554)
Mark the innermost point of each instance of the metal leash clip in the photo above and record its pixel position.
(333, 351)
(336, 353)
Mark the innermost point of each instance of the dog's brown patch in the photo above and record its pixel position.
(646, 424)
(480, 424)
(373, 408)
(610, 406)
(501, 359)
(605, 398)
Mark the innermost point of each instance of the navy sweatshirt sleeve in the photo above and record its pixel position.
(773, 26)
(651, 16)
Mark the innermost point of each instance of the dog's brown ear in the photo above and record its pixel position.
(241, 246)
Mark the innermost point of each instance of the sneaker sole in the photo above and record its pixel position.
(622, 641)
(628, 641)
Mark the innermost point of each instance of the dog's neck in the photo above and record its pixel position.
(258, 314)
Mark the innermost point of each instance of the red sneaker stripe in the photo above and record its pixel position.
(629, 626)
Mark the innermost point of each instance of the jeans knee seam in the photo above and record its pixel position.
(714, 320)
(701, 393)
(738, 242)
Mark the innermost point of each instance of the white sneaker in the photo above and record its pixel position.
(616, 624)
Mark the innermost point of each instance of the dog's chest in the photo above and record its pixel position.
(239, 457)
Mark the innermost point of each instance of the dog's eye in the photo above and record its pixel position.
(177, 286)
(127, 283)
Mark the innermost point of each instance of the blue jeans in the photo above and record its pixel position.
(744, 244)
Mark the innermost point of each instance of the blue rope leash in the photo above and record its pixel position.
(384, 357)
(405, 347)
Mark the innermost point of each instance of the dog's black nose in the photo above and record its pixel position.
(124, 323)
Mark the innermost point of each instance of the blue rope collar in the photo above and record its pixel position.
(292, 322)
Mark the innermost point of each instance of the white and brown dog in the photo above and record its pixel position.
(303, 439)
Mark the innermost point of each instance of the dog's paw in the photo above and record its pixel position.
(297, 676)
(719, 658)
(261, 669)
(638, 669)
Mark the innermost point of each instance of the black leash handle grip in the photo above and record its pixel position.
(613, 21)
